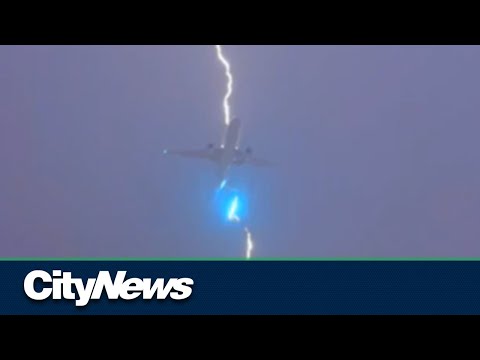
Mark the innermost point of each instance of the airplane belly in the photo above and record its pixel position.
(228, 156)
(233, 133)
(230, 145)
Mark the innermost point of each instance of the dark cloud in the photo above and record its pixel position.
(377, 150)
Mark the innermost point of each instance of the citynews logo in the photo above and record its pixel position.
(60, 285)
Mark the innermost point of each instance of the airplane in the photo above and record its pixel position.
(225, 156)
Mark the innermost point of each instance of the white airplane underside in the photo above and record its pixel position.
(226, 155)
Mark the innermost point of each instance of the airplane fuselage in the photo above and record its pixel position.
(230, 146)
(225, 156)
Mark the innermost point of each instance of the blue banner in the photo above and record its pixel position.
(240, 287)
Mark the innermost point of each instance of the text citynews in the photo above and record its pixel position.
(60, 285)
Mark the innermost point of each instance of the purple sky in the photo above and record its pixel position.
(377, 148)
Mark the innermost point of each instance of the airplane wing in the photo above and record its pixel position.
(194, 154)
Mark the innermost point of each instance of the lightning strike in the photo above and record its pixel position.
(232, 213)
(226, 100)
(233, 217)
(249, 244)
(223, 184)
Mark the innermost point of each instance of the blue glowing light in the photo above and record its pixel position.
(232, 211)
(223, 184)
(232, 204)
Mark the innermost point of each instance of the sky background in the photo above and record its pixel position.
(377, 151)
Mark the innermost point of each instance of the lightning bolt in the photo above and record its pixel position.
(232, 213)
(226, 100)
(249, 244)
(232, 216)
(226, 107)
